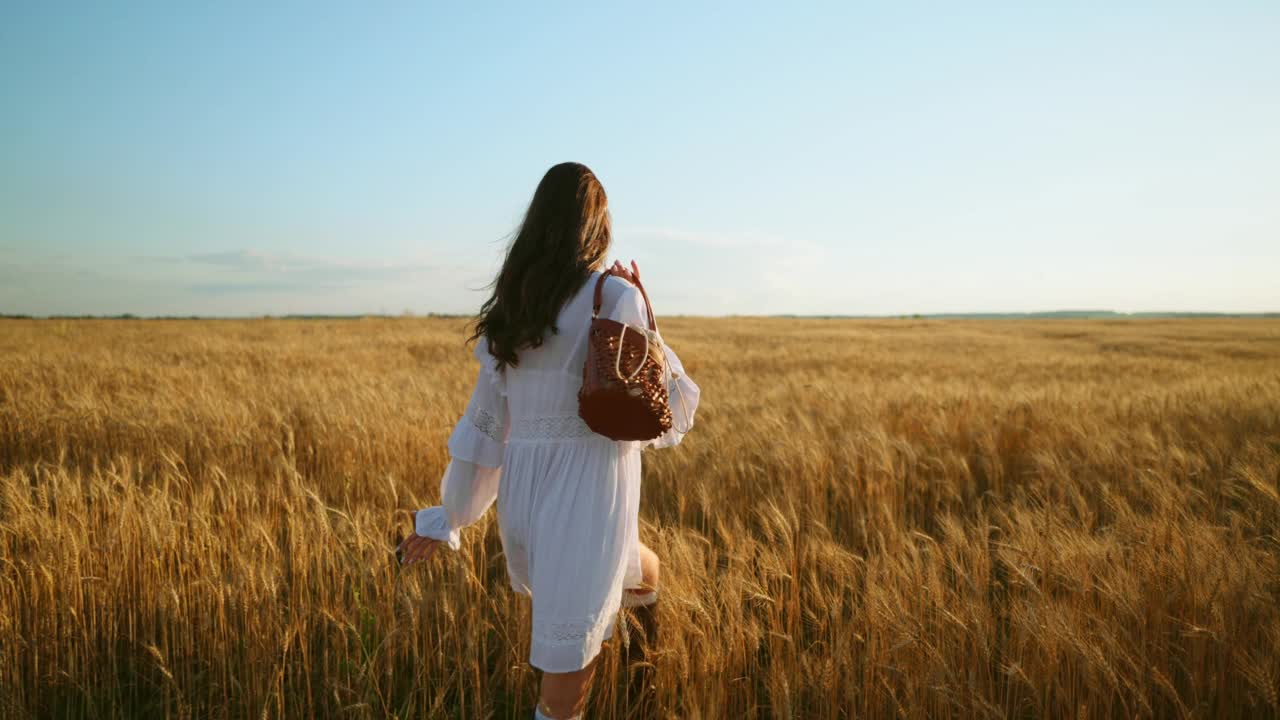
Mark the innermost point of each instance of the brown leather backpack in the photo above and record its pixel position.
(624, 393)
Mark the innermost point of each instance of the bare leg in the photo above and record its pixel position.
(641, 600)
(564, 695)
(650, 570)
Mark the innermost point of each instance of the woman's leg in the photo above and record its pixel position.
(642, 602)
(650, 570)
(564, 695)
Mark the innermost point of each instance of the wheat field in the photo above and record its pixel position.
(891, 518)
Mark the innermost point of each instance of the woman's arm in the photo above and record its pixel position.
(466, 492)
(476, 446)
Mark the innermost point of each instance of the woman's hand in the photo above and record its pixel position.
(417, 548)
(632, 275)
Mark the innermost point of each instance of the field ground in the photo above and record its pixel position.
(870, 519)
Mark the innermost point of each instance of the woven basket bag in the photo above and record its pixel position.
(624, 393)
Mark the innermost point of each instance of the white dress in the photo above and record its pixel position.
(568, 499)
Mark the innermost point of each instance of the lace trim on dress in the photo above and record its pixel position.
(485, 422)
(568, 632)
(550, 427)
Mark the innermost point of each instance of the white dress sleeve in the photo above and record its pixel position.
(683, 392)
(476, 446)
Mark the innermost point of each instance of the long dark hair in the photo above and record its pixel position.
(565, 234)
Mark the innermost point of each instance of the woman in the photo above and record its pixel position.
(568, 499)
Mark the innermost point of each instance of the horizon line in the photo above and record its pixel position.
(1034, 314)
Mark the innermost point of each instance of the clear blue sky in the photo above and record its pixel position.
(264, 158)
